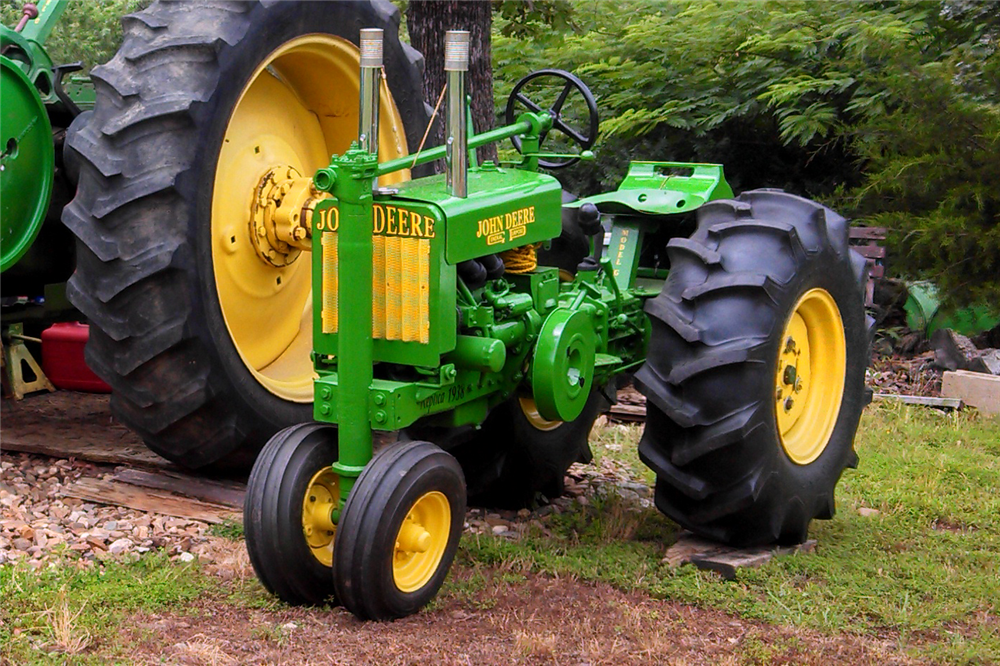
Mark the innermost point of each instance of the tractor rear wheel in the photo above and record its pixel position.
(755, 373)
(517, 453)
(203, 336)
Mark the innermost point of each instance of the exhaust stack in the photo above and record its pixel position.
(456, 64)
(371, 77)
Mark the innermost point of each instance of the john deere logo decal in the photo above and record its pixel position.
(504, 228)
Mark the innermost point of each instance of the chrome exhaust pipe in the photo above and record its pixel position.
(371, 78)
(456, 64)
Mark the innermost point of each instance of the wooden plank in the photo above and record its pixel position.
(224, 493)
(725, 560)
(929, 401)
(141, 499)
(66, 424)
(868, 233)
(975, 389)
(870, 251)
(109, 450)
(623, 412)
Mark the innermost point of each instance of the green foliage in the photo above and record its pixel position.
(887, 110)
(87, 31)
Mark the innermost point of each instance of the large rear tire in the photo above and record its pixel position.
(755, 373)
(516, 453)
(205, 343)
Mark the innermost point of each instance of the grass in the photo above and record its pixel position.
(62, 610)
(924, 567)
(921, 570)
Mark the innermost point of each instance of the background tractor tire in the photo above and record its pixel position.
(732, 463)
(205, 344)
(516, 454)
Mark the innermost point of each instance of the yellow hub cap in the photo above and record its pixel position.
(537, 421)
(812, 362)
(299, 107)
(321, 498)
(421, 541)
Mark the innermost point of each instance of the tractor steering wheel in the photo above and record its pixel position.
(583, 139)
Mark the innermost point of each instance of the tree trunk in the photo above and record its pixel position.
(427, 21)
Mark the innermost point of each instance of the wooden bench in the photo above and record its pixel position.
(863, 241)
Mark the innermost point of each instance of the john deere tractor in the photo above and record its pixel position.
(435, 315)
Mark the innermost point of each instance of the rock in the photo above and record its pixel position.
(21, 544)
(185, 557)
(954, 351)
(867, 512)
(120, 546)
(499, 529)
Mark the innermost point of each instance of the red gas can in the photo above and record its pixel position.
(62, 358)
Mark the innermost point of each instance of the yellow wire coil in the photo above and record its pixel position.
(522, 259)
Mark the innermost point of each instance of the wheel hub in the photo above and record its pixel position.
(281, 215)
(421, 541)
(809, 376)
(321, 498)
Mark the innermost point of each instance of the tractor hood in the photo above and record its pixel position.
(662, 188)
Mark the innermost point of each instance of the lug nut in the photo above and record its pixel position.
(788, 403)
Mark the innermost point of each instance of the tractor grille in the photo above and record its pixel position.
(401, 275)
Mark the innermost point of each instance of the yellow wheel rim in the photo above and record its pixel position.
(421, 541)
(812, 363)
(321, 498)
(299, 107)
(537, 421)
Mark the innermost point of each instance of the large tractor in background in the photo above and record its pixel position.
(199, 320)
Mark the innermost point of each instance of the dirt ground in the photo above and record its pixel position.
(517, 617)
(541, 620)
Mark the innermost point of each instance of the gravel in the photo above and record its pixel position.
(41, 526)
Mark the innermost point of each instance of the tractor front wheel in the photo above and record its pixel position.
(756, 367)
(399, 531)
(291, 495)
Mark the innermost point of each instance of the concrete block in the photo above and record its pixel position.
(975, 389)
(725, 560)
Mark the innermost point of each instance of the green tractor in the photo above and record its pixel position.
(436, 315)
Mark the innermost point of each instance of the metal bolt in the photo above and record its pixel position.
(788, 403)
(298, 233)
(326, 393)
(777, 394)
(798, 385)
(324, 410)
(379, 399)
(789, 344)
(380, 416)
(789, 376)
